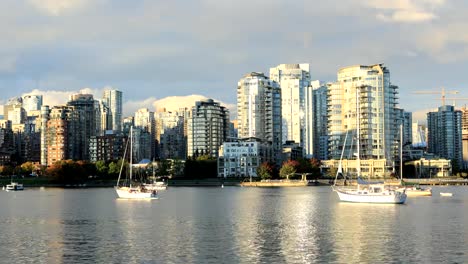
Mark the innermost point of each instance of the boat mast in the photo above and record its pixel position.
(401, 152)
(340, 165)
(123, 162)
(358, 132)
(131, 154)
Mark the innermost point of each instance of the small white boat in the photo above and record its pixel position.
(155, 186)
(447, 194)
(14, 186)
(416, 190)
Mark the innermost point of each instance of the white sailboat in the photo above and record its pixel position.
(155, 185)
(137, 191)
(410, 189)
(366, 192)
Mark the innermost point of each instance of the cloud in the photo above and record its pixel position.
(55, 97)
(407, 16)
(59, 7)
(406, 11)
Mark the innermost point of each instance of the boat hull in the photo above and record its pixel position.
(419, 192)
(135, 193)
(155, 187)
(383, 198)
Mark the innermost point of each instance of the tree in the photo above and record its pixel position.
(288, 168)
(101, 168)
(28, 167)
(265, 171)
(6, 170)
(315, 167)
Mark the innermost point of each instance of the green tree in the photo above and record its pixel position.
(101, 168)
(288, 169)
(114, 167)
(265, 171)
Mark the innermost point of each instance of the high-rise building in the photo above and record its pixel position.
(32, 103)
(60, 134)
(445, 134)
(13, 103)
(465, 136)
(320, 120)
(259, 111)
(407, 128)
(13, 110)
(419, 136)
(170, 134)
(102, 116)
(144, 120)
(207, 129)
(106, 147)
(7, 149)
(297, 104)
(83, 105)
(364, 100)
(113, 99)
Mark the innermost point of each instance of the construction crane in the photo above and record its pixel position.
(442, 92)
(454, 99)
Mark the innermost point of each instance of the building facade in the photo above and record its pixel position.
(61, 140)
(171, 134)
(113, 99)
(84, 106)
(259, 111)
(465, 136)
(145, 121)
(207, 129)
(32, 103)
(106, 147)
(445, 134)
(320, 120)
(242, 158)
(297, 104)
(363, 104)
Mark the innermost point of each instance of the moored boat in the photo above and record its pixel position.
(14, 186)
(135, 191)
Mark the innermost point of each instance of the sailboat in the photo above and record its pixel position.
(411, 189)
(155, 185)
(366, 192)
(132, 191)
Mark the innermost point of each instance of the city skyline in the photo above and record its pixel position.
(203, 47)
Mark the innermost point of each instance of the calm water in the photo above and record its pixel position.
(230, 225)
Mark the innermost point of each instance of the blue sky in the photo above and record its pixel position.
(155, 49)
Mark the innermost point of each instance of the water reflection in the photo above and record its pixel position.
(230, 225)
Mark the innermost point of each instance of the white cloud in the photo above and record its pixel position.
(406, 11)
(59, 7)
(55, 97)
(409, 16)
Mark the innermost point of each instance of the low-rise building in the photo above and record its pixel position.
(242, 158)
(430, 168)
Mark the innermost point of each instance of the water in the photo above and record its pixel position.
(230, 225)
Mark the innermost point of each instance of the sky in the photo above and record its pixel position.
(152, 49)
